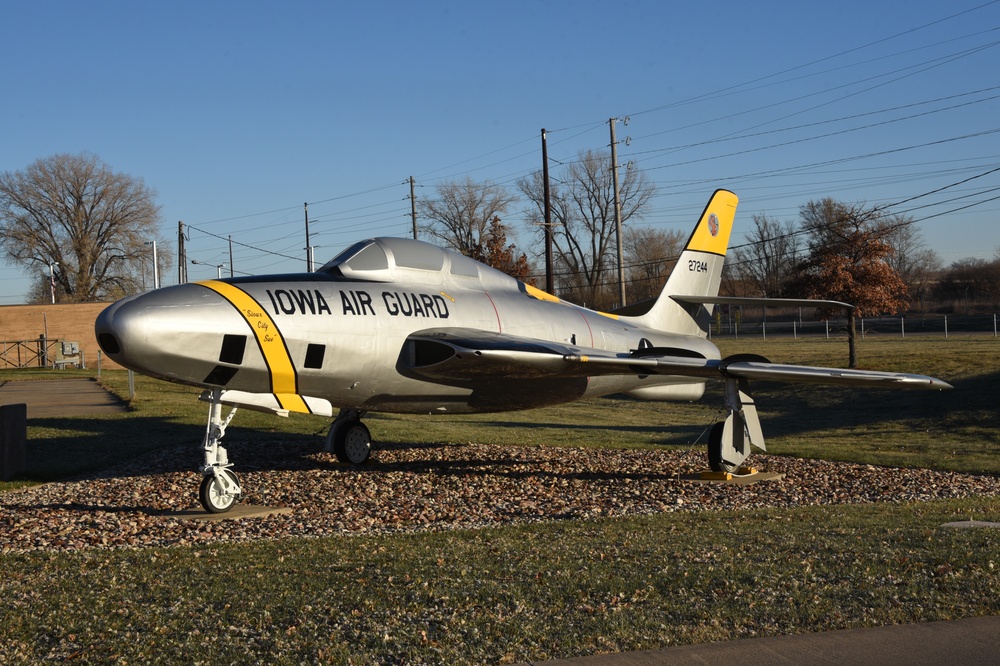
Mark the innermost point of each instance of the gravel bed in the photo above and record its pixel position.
(421, 488)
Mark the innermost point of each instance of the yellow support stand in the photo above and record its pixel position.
(727, 476)
(716, 476)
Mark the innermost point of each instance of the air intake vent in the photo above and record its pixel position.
(108, 343)
(428, 352)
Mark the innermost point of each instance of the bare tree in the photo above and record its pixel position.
(73, 216)
(912, 260)
(650, 255)
(583, 214)
(732, 284)
(848, 261)
(970, 281)
(461, 214)
(767, 261)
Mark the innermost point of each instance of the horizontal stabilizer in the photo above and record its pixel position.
(761, 302)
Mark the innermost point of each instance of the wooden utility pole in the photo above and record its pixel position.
(309, 255)
(549, 276)
(181, 255)
(618, 216)
(413, 208)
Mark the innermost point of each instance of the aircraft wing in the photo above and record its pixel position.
(755, 367)
(463, 355)
(818, 375)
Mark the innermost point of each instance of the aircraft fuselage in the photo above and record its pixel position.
(343, 340)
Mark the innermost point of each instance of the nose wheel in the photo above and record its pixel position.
(219, 492)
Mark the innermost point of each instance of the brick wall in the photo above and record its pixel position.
(73, 322)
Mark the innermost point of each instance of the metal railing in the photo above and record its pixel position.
(40, 352)
(913, 324)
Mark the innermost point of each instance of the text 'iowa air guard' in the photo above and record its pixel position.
(395, 325)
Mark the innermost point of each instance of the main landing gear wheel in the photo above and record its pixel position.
(220, 491)
(352, 442)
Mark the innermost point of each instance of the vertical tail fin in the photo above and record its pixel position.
(698, 271)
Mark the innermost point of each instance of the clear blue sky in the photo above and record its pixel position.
(238, 112)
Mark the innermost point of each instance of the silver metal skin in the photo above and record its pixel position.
(396, 325)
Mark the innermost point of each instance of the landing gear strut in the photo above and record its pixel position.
(729, 441)
(349, 439)
(220, 487)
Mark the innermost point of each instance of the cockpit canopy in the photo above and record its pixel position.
(388, 259)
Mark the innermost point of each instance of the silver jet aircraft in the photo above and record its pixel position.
(396, 325)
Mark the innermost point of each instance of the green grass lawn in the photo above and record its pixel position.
(548, 590)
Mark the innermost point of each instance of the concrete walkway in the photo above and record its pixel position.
(54, 398)
(970, 642)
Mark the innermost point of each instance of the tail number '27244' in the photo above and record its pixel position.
(696, 266)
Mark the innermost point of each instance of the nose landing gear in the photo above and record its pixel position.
(220, 488)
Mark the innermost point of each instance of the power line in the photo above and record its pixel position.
(840, 54)
(357, 221)
(246, 245)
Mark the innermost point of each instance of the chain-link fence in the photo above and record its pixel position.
(734, 322)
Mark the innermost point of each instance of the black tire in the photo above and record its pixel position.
(212, 495)
(352, 443)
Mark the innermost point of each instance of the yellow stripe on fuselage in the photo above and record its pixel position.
(537, 293)
(272, 345)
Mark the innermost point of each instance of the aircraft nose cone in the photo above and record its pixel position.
(121, 328)
(153, 332)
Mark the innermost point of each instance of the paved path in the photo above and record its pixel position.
(970, 642)
(53, 398)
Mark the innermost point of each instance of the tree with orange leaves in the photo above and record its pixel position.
(494, 251)
(847, 260)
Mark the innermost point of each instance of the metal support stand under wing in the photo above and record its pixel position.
(730, 440)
